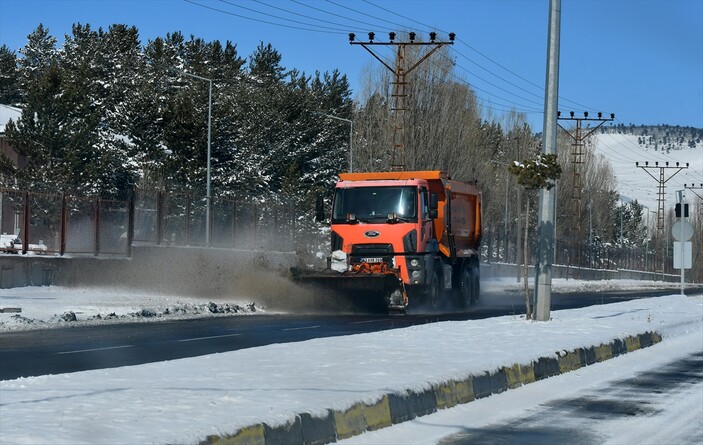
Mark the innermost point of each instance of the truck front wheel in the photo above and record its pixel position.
(433, 293)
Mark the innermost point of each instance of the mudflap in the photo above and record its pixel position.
(378, 292)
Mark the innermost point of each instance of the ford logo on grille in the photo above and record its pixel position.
(371, 234)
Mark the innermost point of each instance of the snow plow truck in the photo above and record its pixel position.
(406, 239)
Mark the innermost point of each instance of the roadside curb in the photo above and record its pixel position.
(399, 407)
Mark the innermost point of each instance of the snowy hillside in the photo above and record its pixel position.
(625, 146)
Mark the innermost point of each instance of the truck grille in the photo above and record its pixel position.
(371, 253)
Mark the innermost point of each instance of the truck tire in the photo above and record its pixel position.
(433, 293)
(464, 290)
(475, 285)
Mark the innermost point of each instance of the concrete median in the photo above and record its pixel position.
(400, 407)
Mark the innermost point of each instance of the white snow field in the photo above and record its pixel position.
(622, 151)
(185, 400)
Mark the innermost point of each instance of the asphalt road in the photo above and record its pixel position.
(584, 418)
(53, 351)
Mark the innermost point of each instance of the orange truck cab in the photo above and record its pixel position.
(418, 231)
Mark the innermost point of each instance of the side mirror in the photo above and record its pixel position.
(319, 209)
(434, 201)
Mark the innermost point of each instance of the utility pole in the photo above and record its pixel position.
(208, 195)
(547, 198)
(693, 189)
(577, 184)
(351, 135)
(660, 194)
(400, 85)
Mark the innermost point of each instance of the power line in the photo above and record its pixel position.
(337, 15)
(259, 20)
(485, 57)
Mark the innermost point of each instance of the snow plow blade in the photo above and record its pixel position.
(372, 291)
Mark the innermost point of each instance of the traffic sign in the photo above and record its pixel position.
(682, 230)
(684, 255)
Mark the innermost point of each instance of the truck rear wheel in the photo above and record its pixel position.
(475, 285)
(464, 292)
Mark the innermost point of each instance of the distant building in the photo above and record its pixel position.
(6, 113)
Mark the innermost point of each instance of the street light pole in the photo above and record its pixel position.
(208, 196)
(351, 135)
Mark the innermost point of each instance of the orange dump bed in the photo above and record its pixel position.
(458, 226)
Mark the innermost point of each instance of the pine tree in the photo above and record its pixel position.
(9, 77)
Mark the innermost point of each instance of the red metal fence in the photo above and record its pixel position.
(46, 223)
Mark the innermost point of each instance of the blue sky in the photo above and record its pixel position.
(640, 59)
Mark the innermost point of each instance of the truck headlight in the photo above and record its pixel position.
(414, 262)
(415, 273)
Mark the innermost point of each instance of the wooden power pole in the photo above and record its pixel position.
(400, 84)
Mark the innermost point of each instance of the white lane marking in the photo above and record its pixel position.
(95, 349)
(369, 321)
(208, 338)
(304, 327)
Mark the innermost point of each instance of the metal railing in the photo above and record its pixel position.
(59, 224)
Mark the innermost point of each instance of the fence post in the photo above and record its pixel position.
(96, 222)
(209, 221)
(25, 224)
(62, 225)
(130, 222)
(187, 221)
(256, 223)
(276, 234)
(234, 223)
(159, 216)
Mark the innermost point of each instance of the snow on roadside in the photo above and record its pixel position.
(185, 400)
(55, 306)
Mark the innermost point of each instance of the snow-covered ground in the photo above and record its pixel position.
(185, 400)
(55, 306)
(520, 415)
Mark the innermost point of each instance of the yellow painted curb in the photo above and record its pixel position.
(350, 422)
(604, 352)
(632, 343)
(570, 361)
(251, 435)
(445, 393)
(512, 375)
(465, 390)
(527, 374)
(378, 415)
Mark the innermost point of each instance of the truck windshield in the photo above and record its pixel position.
(369, 204)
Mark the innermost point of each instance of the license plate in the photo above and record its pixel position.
(372, 260)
